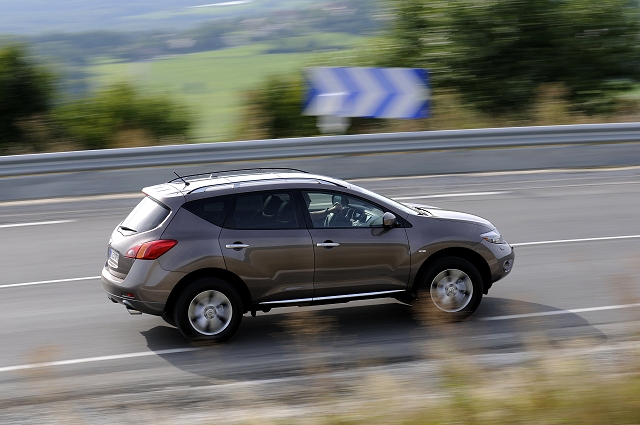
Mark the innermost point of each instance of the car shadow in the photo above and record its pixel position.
(277, 345)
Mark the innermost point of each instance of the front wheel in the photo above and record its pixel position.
(450, 291)
(208, 310)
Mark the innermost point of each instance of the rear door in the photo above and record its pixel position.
(265, 242)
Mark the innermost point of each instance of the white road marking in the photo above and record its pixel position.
(608, 238)
(521, 188)
(226, 3)
(38, 223)
(449, 195)
(42, 282)
(140, 195)
(95, 359)
(557, 312)
(134, 195)
(187, 350)
(502, 173)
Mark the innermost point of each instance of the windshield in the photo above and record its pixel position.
(404, 208)
(147, 215)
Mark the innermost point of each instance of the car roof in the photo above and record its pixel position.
(210, 182)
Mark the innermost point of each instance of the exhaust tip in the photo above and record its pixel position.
(131, 309)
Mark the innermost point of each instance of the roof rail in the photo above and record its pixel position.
(215, 173)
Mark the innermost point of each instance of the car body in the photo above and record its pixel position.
(203, 250)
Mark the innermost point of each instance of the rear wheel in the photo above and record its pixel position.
(209, 309)
(450, 291)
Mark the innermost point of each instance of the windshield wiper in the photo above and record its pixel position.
(418, 210)
(128, 229)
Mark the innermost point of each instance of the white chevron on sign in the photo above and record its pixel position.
(411, 93)
(368, 92)
(372, 93)
(330, 93)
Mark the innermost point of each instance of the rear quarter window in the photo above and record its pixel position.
(147, 215)
(213, 210)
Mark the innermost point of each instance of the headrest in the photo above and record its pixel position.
(286, 212)
(271, 205)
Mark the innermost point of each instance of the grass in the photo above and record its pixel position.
(572, 382)
(212, 83)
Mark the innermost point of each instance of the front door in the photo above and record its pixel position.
(354, 252)
(265, 242)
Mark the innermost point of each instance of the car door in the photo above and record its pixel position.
(265, 242)
(354, 253)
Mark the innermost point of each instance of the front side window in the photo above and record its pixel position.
(335, 209)
(263, 210)
(147, 215)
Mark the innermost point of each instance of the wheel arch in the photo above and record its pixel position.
(467, 254)
(226, 275)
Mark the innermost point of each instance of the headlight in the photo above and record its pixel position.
(492, 236)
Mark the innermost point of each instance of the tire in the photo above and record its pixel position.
(169, 318)
(450, 291)
(208, 310)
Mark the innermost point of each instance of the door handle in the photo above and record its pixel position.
(328, 244)
(237, 246)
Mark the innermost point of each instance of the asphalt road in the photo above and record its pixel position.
(62, 338)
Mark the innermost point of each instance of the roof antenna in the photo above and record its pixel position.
(186, 183)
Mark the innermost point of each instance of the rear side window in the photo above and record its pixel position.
(263, 210)
(147, 215)
(214, 210)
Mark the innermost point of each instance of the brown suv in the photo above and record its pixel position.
(203, 250)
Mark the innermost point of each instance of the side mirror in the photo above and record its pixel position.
(388, 220)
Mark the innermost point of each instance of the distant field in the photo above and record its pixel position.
(212, 83)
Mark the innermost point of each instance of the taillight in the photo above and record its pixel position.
(150, 250)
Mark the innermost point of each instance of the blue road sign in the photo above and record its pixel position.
(367, 92)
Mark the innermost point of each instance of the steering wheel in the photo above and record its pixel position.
(349, 212)
(340, 218)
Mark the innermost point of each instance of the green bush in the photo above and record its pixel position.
(273, 111)
(98, 122)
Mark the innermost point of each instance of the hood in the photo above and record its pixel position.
(454, 215)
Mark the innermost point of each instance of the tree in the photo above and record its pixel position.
(497, 52)
(26, 91)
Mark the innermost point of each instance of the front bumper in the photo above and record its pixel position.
(499, 257)
(504, 264)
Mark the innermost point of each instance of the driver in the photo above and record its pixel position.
(322, 214)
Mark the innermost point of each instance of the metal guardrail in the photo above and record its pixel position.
(209, 153)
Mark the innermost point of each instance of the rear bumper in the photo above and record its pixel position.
(117, 289)
(142, 306)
